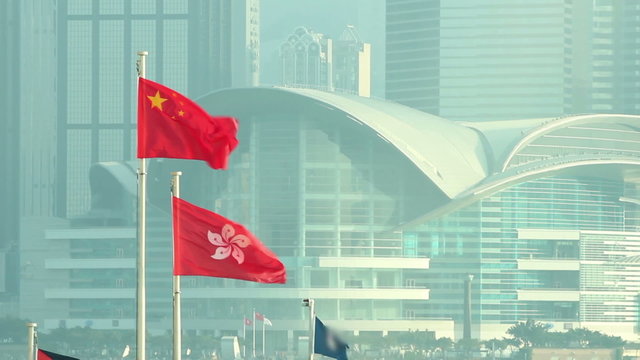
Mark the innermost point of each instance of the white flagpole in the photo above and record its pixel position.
(31, 341)
(244, 337)
(254, 333)
(177, 326)
(141, 318)
(263, 338)
(312, 328)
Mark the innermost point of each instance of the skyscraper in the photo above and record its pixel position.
(315, 60)
(9, 130)
(27, 97)
(194, 47)
(509, 59)
(307, 59)
(352, 63)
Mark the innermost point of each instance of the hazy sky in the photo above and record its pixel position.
(279, 18)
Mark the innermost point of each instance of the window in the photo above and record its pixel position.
(409, 314)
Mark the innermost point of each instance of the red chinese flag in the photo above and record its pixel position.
(172, 126)
(259, 316)
(48, 355)
(208, 244)
(248, 322)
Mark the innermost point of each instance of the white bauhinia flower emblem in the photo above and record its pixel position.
(228, 244)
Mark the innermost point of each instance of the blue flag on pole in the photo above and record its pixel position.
(327, 343)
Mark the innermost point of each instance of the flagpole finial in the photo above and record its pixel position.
(31, 340)
(141, 63)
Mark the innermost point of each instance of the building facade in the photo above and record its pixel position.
(378, 216)
(542, 212)
(508, 60)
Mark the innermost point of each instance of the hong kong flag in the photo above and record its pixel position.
(172, 126)
(209, 244)
(48, 355)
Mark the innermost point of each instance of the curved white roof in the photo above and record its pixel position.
(469, 161)
(449, 154)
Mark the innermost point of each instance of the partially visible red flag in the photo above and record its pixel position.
(248, 322)
(170, 125)
(48, 355)
(209, 244)
(259, 316)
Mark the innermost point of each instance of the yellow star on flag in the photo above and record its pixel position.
(181, 113)
(157, 100)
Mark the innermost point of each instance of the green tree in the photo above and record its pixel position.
(418, 340)
(593, 339)
(498, 344)
(444, 344)
(467, 345)
(13, 330)
(529, 333)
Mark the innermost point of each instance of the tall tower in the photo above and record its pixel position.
(9, 137)
(352, 63)
(27, 97)
(226, 51)
(412, 54)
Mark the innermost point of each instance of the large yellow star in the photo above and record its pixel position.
(157, 100)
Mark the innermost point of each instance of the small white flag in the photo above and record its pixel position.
(267, 321)
(188, 351)
(125, 353)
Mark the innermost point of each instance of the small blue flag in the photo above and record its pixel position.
(327, 343)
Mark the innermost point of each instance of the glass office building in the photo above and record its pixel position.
(380, 212)
(503, 59)
(542, 212)
(190, 50)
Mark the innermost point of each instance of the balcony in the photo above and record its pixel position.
(89, 293)
(549, 294)
(549, 264)
(316, 293)
(374, 262)
(69, 264)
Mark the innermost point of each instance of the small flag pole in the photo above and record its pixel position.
(312, 328)
(177, 325)
(31, 341)
(254, 333)
(244, 337)
(141, 327)
(263, 337)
